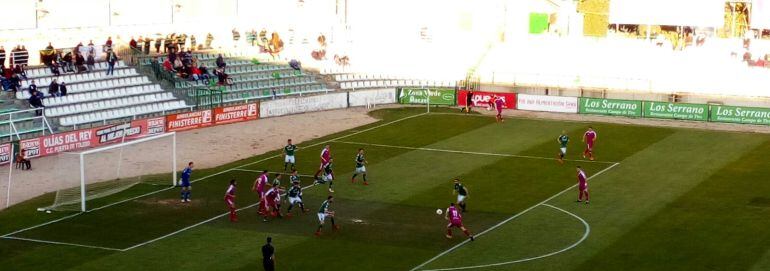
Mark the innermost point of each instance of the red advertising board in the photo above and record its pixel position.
(92, 137)
(189, 120)
(5, 153)
(236, 113)
(482, 98)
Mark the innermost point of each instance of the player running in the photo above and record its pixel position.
(259, 188)
(326, 155)
(328, 175)
(589, 138)
(185, 182)
(563, 140)
(323, 213)
(289, 150)
(455, 220)
(230, 201)
(582, 184)
(499, 104)
(461, 192)
(295, 198)
(360, 166)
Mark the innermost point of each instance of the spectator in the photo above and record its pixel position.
(209, 39)
(205, 75)
(53, 88)
(178, 65)
(78, 48)
(236, 37)
(111, 58)
(23, 56)
(91, 49)
(193, 42)
(146, 48)
(55, 69)
(63, 89)
(19, 71)
(2, 56)
(180, 41)
(187, 58)
(32, 87)
(167, 65)
(195, 73)
(91, 62)
(167, 43)
(15, 83)
(132, 43)
(80, 63)
(158, 42)
(36, 102)
(221, 62)
(68, 62)
(61, 62)
(108, 44)
(22, 159)
(222, 77)
(268, 255)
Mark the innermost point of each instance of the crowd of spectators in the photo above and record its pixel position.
(171, 42)
(186, 66)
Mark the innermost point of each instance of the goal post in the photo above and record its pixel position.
(111, 169)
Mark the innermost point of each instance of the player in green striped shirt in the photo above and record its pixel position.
(360, 166)
(324, 212)
(461, 192)
(289, 150)
(563, 140)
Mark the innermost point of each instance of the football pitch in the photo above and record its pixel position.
(661, 199)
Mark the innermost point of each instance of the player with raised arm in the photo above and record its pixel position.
(461, 192)
(328, 175)
(582, 185)
(259, 188)
(325, 156)
(295, 198)
(360, 166)
(455, 220)
(185, 182)
(289, 150)
(589, 138)
(563, 140)
(323, 213)
(230, 201)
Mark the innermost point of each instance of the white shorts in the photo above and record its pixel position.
(294, 200)
(563, 150)
(361, 169)
(460, 198)
(328, 177)
(289, 159)
(321, 217)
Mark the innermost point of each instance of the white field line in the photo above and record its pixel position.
(59, 243)
(508, 219)
(586, 232)
(470, 152)
(271, 172)
(198, 224)
(212, 175)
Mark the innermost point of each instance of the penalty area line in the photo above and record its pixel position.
(507, 220)
(209, 176)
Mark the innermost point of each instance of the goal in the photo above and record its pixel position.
(97, 173)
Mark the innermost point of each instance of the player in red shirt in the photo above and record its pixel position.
(272, 198)
(230, 201)
(325, 155)
(455, 220)
(499, 104)
(259, 188)
(582, 185)
(589, 138)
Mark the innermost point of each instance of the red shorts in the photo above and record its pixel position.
(458, 224)
(230, 202)
(323, 165)
(583, 187)
(590, 146)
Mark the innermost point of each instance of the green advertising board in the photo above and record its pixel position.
(740, 114)
(610, 107)
(420, 96)
(664, 110)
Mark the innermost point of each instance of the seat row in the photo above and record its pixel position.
(93, 86)
(101, 95)
(261, 94)
(85, 77)
(108, 104)
(396, 83)
(126, 112)
(44, 71)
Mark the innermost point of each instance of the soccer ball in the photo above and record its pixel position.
(439, 212)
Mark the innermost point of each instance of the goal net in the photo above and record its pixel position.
(89, 176)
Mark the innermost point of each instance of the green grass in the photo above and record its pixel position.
(679, 199)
